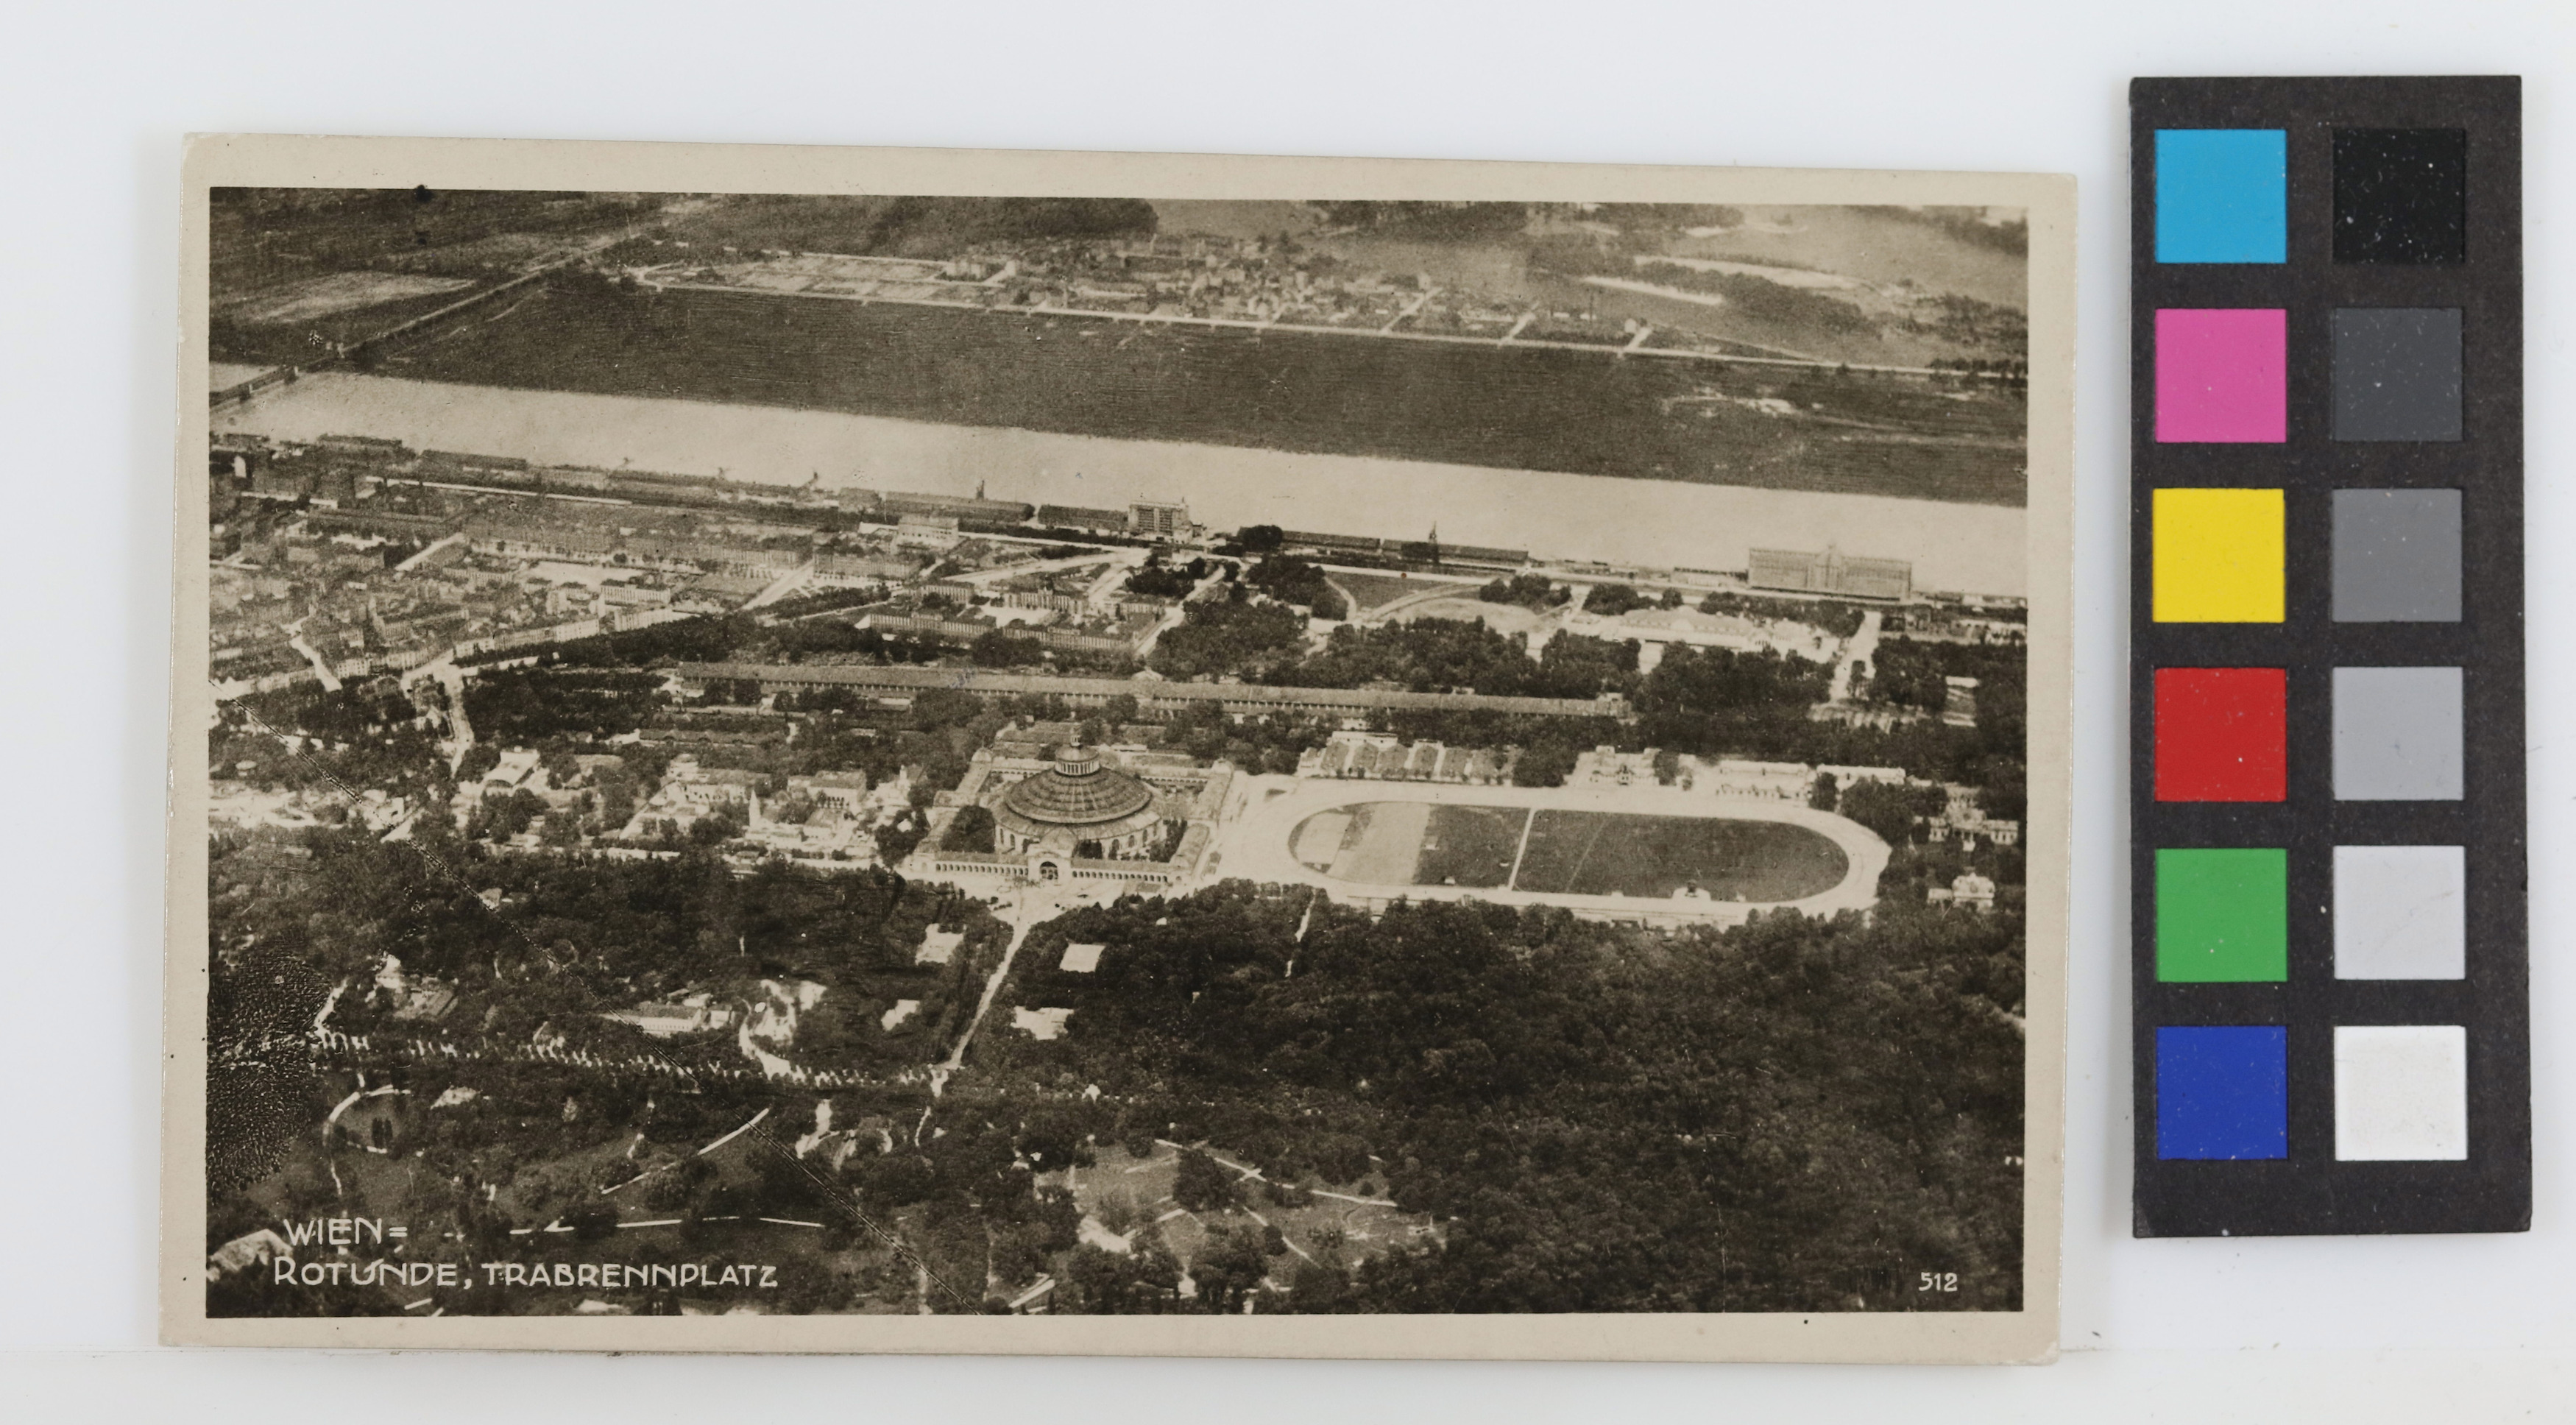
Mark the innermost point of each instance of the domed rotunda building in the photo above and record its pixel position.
(1077, 803)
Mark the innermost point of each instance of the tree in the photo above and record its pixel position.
(970, 830)
(1201, 1185)
(1001, 649)
(1612, 600)
(1824, 794)
(479, 759)
(1544, 764)
(1891, 811)
(1229, 1269)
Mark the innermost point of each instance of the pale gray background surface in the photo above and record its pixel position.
(96, 98)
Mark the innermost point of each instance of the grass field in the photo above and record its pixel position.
(1611, 853)
(1371, 592)
(1469, 846)
(1501, 618)
(1568, 852)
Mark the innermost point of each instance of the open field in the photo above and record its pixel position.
(1501, 618)
(1495, 406)
(1382, 843)
(1470, 846)
(296, 340)
(1611, 854)
(1370, 592)
(332, 292)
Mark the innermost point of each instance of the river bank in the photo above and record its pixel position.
(1664, 523)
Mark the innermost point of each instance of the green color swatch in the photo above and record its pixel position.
(2222, 916)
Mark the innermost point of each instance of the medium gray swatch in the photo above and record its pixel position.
(2397, 556)
(2397, 734)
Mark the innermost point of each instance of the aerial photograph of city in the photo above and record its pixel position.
(797, 754)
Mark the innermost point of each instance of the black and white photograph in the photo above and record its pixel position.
(1063, 738)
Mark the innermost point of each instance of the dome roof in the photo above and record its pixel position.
(1077, 791)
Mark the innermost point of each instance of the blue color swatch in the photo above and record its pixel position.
(2222, 195)
(2223, 1091)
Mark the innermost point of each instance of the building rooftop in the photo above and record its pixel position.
(1078, 791)
(1081, 957)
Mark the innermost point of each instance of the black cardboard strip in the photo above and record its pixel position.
(2310, 1192)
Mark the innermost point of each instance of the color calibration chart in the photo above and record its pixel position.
(2330, 955)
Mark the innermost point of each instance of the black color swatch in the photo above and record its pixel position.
(2401, 195)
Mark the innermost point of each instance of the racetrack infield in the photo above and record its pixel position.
(1580, 853)
(1591, 853)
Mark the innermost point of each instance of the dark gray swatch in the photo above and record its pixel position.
(2397, 373)
(2397, 556)
(2397, 734)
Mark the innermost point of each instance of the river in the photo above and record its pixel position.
(1662, 523)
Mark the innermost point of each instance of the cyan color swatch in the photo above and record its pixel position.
(2222, 195)
(2223, 1091)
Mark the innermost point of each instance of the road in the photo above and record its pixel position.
(321, 666)
(1418, 304)
(1172, 618)
(781, 586)
(1023, 919)
(1862, 649)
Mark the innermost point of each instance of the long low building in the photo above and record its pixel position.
(902, 680)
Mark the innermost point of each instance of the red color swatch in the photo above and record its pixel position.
(2221, 735)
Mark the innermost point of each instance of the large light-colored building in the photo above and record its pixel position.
(1830, 572)
(1161, 519)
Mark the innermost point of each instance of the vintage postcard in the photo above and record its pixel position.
(876, 750)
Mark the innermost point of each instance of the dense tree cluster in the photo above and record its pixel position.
(512, 706)
(1154, 579)
(1530, 591)
(1295, 581)
(1612, 600)
(1839, 619)
(693, 640)
(1607, 1120)
(1232, 635)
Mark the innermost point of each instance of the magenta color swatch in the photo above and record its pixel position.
(2222, 375)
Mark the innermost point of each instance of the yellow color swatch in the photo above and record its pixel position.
(2218, 556)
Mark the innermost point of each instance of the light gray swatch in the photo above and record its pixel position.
(2397, 373)
(2397, 734)
(2397, 556)
(2400, 912)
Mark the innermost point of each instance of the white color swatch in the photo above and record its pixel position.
(2400, 912)
(2401, 1092)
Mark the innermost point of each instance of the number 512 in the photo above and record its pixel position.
(1937, 1281)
